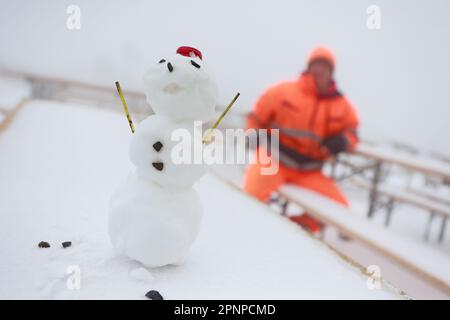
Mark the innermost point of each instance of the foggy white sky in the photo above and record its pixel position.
(398, 77)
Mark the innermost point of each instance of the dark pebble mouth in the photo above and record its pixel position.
(158, 165)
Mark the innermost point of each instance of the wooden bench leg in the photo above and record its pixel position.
(321, 234)
(389, 210)
(284, 206)
(426, 235)
(442, 231)
(373, 194)
(333, 167)
(280, 201)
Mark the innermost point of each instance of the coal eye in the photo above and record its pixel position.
(162, 61)
(195, 64)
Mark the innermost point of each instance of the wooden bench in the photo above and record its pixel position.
(429, 194)
(8, 115)
(380, 156)
(424, 165)
(395, 194)
(418, 258)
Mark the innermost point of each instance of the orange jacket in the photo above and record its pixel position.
(305, 118)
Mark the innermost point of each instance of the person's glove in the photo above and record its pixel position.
(336, 144)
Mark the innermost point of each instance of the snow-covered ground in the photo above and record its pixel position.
(12, 91)
(407, 221)
(59, 165)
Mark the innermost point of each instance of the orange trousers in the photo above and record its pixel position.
(261, 186)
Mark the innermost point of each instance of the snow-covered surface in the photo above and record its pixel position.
(59, 167)
(12, 90)
(431, 262)
(407, 222)
(419, 163)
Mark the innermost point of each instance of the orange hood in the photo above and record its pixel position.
(322, 53)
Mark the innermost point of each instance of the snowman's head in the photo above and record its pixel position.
(181, 87)
(153, 148)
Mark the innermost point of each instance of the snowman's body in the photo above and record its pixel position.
(152, 225)
(155, 150)
(155, 215)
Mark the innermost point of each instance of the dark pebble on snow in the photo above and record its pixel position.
(170, 67)
(162, 60)
(44, 244)
(66, 244)
(154, 295)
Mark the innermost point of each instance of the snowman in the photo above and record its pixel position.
(155, 214)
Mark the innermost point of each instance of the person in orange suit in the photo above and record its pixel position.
(315, 121)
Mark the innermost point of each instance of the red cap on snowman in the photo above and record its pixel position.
(189, 51)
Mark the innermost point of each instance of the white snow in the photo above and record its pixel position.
(141, 274)
(12, 91)
(59, 167)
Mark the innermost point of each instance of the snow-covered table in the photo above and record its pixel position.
(59, 165)
(424, 165)
(382, 155)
